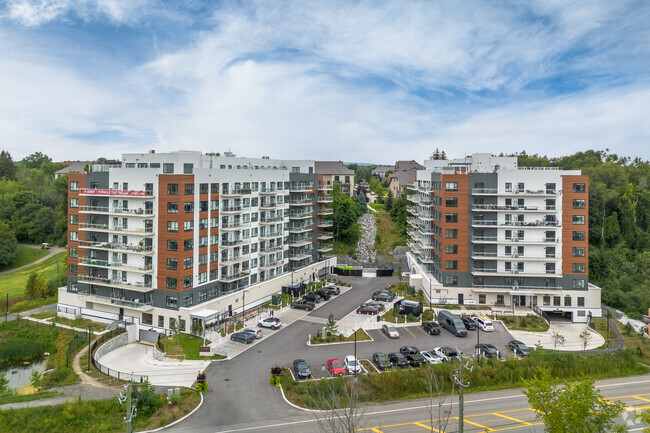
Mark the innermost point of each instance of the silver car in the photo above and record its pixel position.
(257, 333)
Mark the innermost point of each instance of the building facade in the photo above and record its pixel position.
(484, 231)
(169, 234)
(330, 172)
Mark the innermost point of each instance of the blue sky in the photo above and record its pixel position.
(359, 81)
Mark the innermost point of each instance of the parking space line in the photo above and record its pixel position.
(420, 328)
(640, 398)
(511, 418)
(407, 330)
(478, 425)
(382, 334)
(375, 429)
(419, 424)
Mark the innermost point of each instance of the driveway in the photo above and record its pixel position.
(570, 332)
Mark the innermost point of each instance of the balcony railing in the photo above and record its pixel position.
(234, 192)
(303, 202)
(104, 281)
(116, 192)
(135, 303)
(234, 276)
(484, 190)
(106, 264)
(112, 246)
(268, 190)
(116, 228)
(116, 210)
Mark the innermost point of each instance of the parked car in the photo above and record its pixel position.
(257, 333)
(487, 350)
(270, 322)
(335, 367)
(377, 305)
(381, 360)
(352, 365)
(313, 297)
(431, 357)
(324, 294)
(397, 360)
(446, 353)
(368, 309)
(431, 328)
(334, 290)
(452, 323)
(301, 369)
(390, 331)
(483, 323)
(519, 348)
(383, 295)
(408, 350)
(242, 337)
(303, 304)
(470, 325)
(415, 359)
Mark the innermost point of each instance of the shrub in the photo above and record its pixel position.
(147, 400)
(523, 322)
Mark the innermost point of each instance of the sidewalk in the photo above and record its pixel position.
(52, 251)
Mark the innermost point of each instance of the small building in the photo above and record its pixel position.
(335, 171)
(75, 166)
(399, 180)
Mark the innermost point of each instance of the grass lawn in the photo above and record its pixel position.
(14, 282)
(361, 336)
(44, 315)
(92, 416)
(387, 236)
(6, 399)
(26, 255)
(80, 323)
(189, 346)
(30, 304)
(530, 322)
(633, 341)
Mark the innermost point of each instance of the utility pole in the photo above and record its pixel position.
(459, 381)
(478, 341)
(355, 352)
(88, 369)
(131, 411)
(7, 307)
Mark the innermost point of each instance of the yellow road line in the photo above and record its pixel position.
(511, 418)
(419, 424)
(383, 335)
(376, 430)
(479, 425)
(407, 330)
(423, 331)
(640, 398)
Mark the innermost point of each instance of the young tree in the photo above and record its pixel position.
(644, 417)
(332, 327)
(36, 287)
(436, 399)
(557, 339)
(577, 407)
(7, 167)
(388, 203)
(399, 273)
(585, 337)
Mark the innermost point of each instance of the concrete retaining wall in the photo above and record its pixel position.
(112, 344)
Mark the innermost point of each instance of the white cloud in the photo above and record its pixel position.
(37, 12)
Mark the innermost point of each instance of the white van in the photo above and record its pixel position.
(484, 323)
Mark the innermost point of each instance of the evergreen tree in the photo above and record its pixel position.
(7, 166)
(388, 204)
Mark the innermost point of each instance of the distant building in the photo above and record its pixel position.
(334, 171)
(380, 171)
(76, 166)
(399, 180)
(408, 165)
(485, 231)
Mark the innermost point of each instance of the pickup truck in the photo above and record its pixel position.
(304, 305)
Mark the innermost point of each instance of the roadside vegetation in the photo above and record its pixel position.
(410, 383)
(339, 338)
(529, 322)
(25, 256)
(186, 346)
(388, 234)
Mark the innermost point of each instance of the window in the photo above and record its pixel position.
(72, 253)
(451, 264)
(147, 318)
(556, 301)
(172, 301)
(188, 226)
(500, 299)
(203, 241)
(451, 202)
(187, 301)
(187, 282)
(578, 252)
(451, 186)
(172, 245)
(547, 300)
(521, 187)
(203, 277)
(578, 268)
(214, 274)
(203, 188)
(214, 222)
(74, 186)
(172, 207)
(578, 236)
(188, 244)
(73, 236)
(161, 321)
(214, 188)
(203, 223)
(578, 219)
(481, 299)
(188, 168)
(189, 189)
(508, 187)
(579, 187)
(451, 249)
(172, 264)
(579, 284)
(203, 296)
(72, 270)
(74, 202)
(189, 207)
(579, 204)
(451, 218)
(451, 280)
(188, 262)
(172, 226)
(203, 259)
(214, 257)
(171, 284)
(451, 233)
(567, 301)
(172, 189)
(74, 219)
(581, 301)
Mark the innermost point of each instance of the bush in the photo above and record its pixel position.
(147, 400)
(523, 322)
(410, 290)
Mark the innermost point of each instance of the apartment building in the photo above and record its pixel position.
(331, 172)
(197, 235)
(485, 231)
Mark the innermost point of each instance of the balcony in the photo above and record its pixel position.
(502, 287)
(270, 206)
(267, 191)
(116, 211)
(269, 250)
(269, 235)
(325, 248)
(106, 300)
(141, 231)
(524, 209)
(271, 220)
(301, 229)
(541, 192)
(523, 224)
(323, 187)
(234, 225)
(480, 255)
(516, 272)
(138, 286)
(325, 199)
(231, 243)
(325, 237)
(274, 264)
(301, 215)
(325, 224)
(235, 192)
(305, 188)
(484, 191)
(115, 192)
(116, 247)
(147, 269)
(233, 260)
(494, 239)
(234, 276)
(232, 209)
(301, 243)
(325, 211)
(303, 202)
(300, 257)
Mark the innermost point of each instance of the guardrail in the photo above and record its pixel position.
(110, 371)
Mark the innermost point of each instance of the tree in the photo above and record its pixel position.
(341, 406)
(557, 339)
(7, 166)
(585, 337)
(388, 204)
(575, 408)
(332, 328)
(8, 247)
(644, 417)
(4, 384)
(399, 274)
(35, 160)
(36, 287)
(436, 399)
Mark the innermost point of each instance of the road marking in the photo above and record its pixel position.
(640, 398)
(511, 418)
(376, 430)
(420, 328)
(407, 330)
(477, 424)
(419, 424)
(383, 335)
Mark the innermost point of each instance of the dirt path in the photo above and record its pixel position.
(52, 251)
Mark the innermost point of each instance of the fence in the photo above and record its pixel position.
(109, 371)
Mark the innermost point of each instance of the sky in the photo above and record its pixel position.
(374, 81)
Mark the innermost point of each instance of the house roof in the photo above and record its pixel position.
(73, 166)
(403, 177)
(332, 167)
(408, 165)
(383, 169)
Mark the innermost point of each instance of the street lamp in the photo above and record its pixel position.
(243, 311)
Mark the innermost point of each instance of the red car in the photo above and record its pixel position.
(335, 367)
(367, 309)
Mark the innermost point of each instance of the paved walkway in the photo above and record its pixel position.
(14, 316)
(52, 251)
(570, 332)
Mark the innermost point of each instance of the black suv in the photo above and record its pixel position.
(469, 323)
(431, 328)
(381, 360)
(397, 359)
(383, 295)
(324, 294)
(334, 290)
(487, 350)
(313, 298)
(415, 359)
(519, 348)
(408, 350)
(303, 304)
(243, 337)
(301, 369)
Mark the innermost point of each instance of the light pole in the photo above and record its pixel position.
(88, 369)
(355, 353)
(243, 311)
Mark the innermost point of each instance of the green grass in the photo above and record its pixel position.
(389, 317)
(80, 323)
(14, 282)
(28, 397)
(27, 255)
(30, 304)
(530, 322)
(343, 249)
(387, 237)
(376, 206)
(44, 315)
(91, 416)
(361, 336)
(189, 346)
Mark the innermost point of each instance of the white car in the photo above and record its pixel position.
(270, 322)
(431, 357)
(352, 366)
(483, 324)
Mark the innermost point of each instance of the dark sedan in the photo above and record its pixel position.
(487, 350)
(431, 328)
(519, 348)
(469, 323)
(381, 360)
(383, 295)
(408, 350)
(313, 298)
(397, 359)
(301, 369)
(415, 359)
(324, 294)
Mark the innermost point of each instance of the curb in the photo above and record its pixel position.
(178, 420)
(295, 406)
(341, 342)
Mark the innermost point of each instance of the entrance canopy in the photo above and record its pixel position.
(204, 314)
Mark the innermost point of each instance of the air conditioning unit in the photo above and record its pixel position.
(515, 271)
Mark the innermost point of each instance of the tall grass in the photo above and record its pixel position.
(21, 350)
